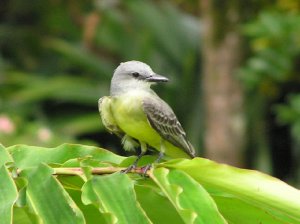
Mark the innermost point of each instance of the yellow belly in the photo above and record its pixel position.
(130, 117)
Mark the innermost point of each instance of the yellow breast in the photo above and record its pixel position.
(130, 117)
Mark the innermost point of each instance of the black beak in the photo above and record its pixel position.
(156, 78)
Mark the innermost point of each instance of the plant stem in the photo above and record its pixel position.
(95, 170)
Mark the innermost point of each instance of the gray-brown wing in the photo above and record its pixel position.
(162, 118)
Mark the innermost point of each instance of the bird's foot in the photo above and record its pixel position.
(128, 169)
(145, 169)
(142, 170)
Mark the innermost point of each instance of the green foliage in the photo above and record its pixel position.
(57, 207)
(83, 184)
(275, 44)
(57, 59)
(100, 190)
(185, 198)
(8, 195)
(270, 75)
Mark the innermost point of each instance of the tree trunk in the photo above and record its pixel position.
(224, 136)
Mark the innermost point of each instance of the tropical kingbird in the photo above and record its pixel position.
(134, 112)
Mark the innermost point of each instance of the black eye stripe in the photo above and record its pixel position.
(135, 74)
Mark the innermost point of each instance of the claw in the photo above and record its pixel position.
(134, 165)
(145, 169)
(128, 169)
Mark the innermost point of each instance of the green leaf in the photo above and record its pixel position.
(8, 195)
(236, 211)
(4, 156)
(186, 193)
(267, 193)
(157, 206)
(21, 184)
(115, 197)
(191, 200)
(22, 215)
(31, 156)
(73, 185)
(49, 199)
(91, 213)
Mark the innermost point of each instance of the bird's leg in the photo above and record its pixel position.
(134, 165)
(161, 154)
(148, 166)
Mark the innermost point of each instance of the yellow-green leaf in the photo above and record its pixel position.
(270, 195)
(4, 156)
(115, 197)
(8, 195)
(191, 200)
(49, 200)
(31, 156)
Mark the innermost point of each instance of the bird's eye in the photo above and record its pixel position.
(135, 74)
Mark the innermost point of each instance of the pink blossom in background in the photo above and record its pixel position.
(6, 125)
(44, 134)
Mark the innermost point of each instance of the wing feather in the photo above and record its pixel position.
(162, 118)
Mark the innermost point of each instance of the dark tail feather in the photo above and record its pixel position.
(191, 150)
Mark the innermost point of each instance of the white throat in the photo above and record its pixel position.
(119, 87)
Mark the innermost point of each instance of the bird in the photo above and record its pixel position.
(135, 113)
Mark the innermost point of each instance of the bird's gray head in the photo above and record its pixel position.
(133, 75)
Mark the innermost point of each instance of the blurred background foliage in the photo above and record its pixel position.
(57, 58)
(272, 83)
